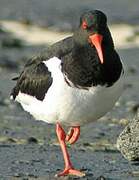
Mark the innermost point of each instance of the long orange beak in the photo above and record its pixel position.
(96, 40)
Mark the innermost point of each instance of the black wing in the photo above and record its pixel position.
(59, 49)
(35, 80)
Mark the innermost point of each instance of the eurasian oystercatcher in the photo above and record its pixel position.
(77, 81)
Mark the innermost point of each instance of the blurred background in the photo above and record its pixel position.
(28, 27)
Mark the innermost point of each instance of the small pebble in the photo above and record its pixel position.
(123, 122)
(11, 140)
(135, 173)
(101, 178)
(18, 175)
(32, 140)
(135, 108)
(132, 70)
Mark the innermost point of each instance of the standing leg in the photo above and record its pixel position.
(68, 165)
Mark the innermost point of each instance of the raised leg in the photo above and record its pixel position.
(73, 134)
(68, 170)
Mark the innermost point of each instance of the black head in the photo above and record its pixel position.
(93, 21)
(93, 29)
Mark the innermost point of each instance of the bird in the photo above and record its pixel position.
(74, 82)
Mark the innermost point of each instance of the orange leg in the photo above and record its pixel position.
(73, 135)
(70, 134)
(68, 170)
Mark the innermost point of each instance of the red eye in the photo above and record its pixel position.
(84, 25)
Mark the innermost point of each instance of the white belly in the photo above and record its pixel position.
(70, 106)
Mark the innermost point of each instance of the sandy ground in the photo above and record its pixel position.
(28, 148)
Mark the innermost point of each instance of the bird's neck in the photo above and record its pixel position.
(107, 40)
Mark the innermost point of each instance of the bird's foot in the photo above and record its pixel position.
(73, 135)
(70, 171)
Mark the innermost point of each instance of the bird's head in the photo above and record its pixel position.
(93, 29)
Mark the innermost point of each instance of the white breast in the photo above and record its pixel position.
(68, 105)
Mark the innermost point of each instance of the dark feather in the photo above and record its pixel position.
(35, 80)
